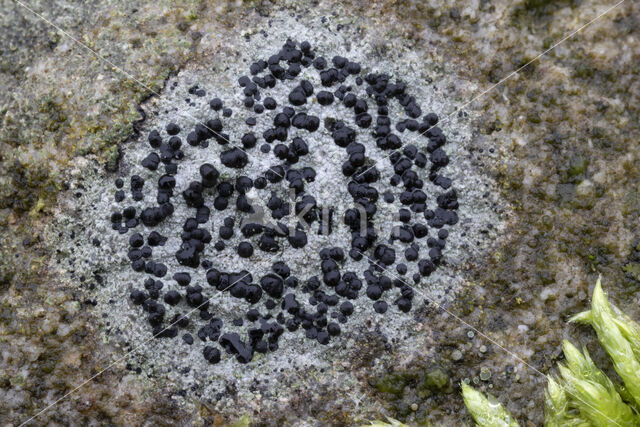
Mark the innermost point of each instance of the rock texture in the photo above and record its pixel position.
(559, 140)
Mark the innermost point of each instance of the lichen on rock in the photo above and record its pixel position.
(218, 336)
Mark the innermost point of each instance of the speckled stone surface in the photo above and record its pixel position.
(562, 174)
(289, 373)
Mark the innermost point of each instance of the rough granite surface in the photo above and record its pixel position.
(555, 146)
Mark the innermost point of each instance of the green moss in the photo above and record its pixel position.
(393, 383)
(632, 269)
(243, 421)
(434, 380)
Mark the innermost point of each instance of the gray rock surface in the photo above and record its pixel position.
(281, 376)
(561, 176)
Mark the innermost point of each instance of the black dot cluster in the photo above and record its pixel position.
(331, 291)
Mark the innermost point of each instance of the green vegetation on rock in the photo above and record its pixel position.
(632, 269)
(590, 392)
(393, 383)
(432, 380)
(583, 395)
(243, 421)
(486, 411)
(619, 336)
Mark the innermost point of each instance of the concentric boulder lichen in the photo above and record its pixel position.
(273, 200)
(274, 210)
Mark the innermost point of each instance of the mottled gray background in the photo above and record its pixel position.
(565, 133)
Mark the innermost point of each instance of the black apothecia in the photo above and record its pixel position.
(274, 304)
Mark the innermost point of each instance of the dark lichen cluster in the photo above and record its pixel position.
(329, 293)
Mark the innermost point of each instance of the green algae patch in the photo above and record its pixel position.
(243, 421)
(632, 269)
(418, 381)
(393, 383)
(434, 380)
(412, 395)
(577, 167)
